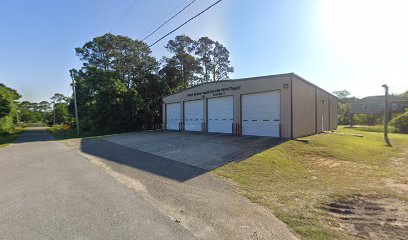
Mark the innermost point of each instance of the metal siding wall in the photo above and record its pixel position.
(322, 110)
(333, 113)
(304, 108)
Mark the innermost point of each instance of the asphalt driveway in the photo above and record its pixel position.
(205, 151)
(49, 191)
(201, 202)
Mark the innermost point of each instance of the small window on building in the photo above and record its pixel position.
(365, 106)
(382, 106)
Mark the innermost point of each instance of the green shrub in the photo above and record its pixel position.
(376, 128)
(400, 123)
(6, 124)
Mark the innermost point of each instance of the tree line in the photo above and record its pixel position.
(14, 112)
(121, 85)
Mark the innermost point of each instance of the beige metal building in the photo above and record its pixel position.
(283, 105)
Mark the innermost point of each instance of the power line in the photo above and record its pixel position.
(123, 15)
(177, 28)
(168, 20)
(163, 18)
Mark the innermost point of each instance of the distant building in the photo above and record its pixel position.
(375, 105)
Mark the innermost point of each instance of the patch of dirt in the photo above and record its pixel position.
(376, 216)
(371, 217)
(327, 162)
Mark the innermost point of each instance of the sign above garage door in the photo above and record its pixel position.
(215, 92)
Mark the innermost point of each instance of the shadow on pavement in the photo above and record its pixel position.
(34, 134)
(141, 160)
(176, 168)
(187, 154)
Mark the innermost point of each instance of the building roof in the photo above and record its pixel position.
(381, 99)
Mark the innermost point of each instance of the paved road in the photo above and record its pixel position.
(48, 191)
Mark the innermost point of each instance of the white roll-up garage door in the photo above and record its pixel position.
(220, 114)
(261, 114)
(173, 116)
(193, 115)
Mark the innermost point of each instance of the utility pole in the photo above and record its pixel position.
(75, 102)
(386, 139)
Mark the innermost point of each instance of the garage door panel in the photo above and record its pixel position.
(173, 116)
(261, 114)
(220, 114)
(193, 115)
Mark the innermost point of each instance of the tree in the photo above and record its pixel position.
(205, 52)
(214, 60)
(221, 66)
(6, 102)
(13, 92)
(111, 84)
(120, 85)
(8, 97)
(344, 107)
(61, 113)
(131, 59)
(171, 76)
(400, 123)
(182, 48)
(32, 112)
(58, 98)
(60, 109)
(342, 95)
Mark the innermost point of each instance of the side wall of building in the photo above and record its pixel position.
(322, 115)
(304, 108)
(333, 113)
(237, 88)
(312, 106)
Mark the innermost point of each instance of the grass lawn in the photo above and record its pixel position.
(299, 180)
(374, 128)
(7, 138)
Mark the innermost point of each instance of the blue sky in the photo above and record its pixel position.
(350, 44)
